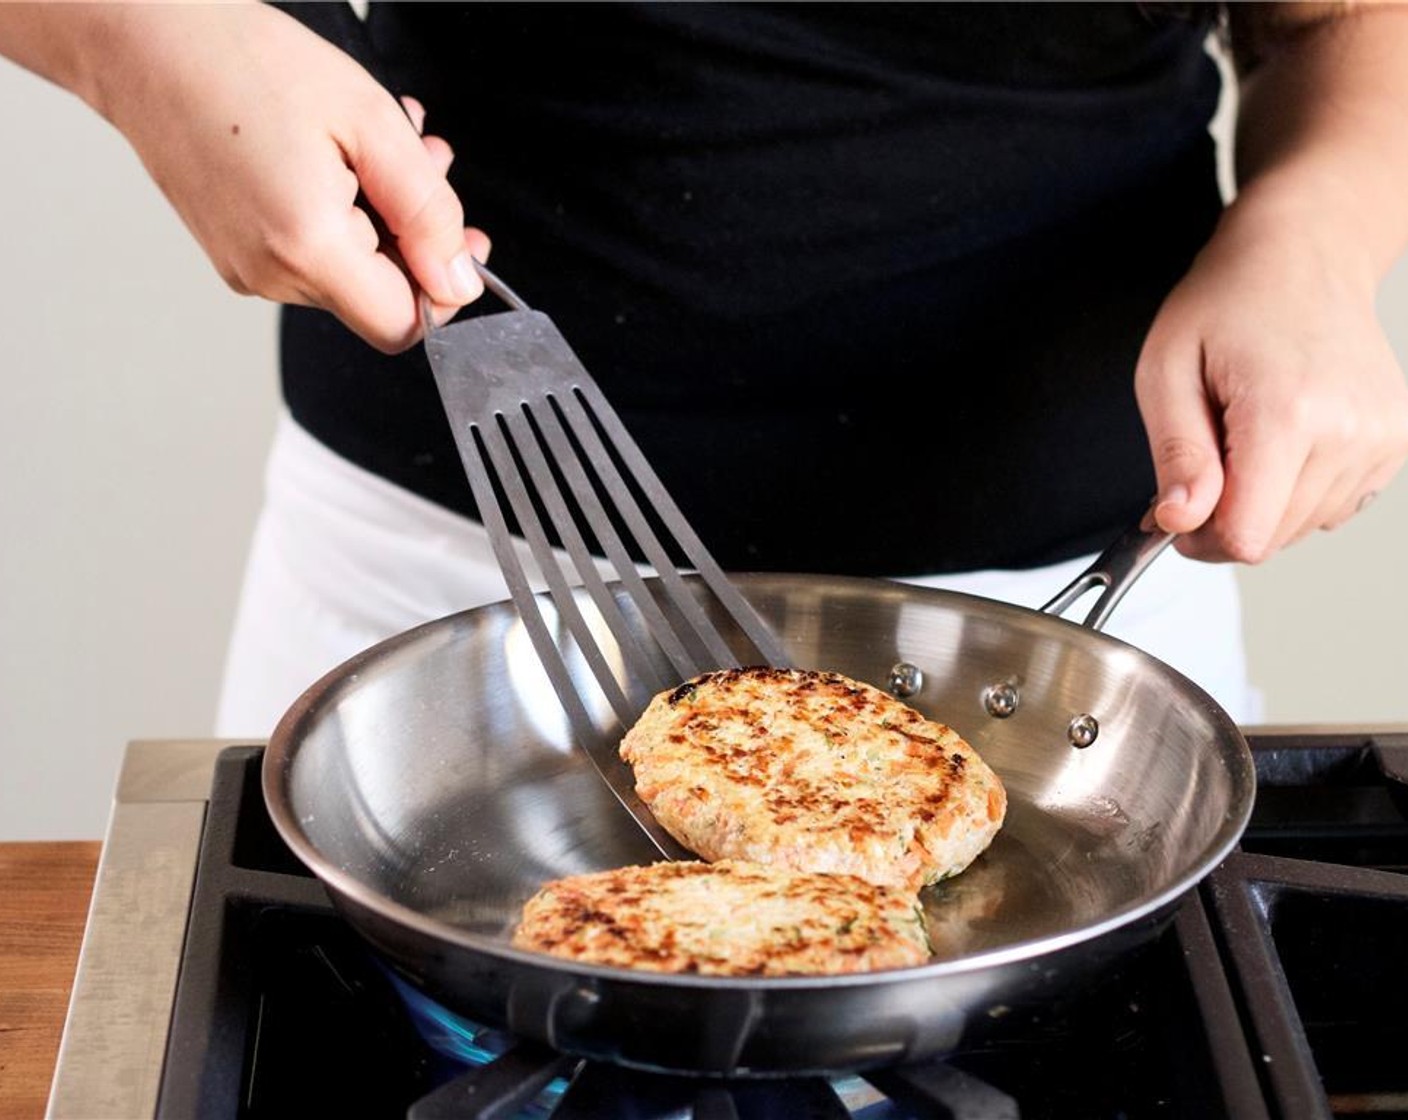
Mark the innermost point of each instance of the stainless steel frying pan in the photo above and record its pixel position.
(433, 785)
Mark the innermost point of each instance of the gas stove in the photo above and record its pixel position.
(216, 980)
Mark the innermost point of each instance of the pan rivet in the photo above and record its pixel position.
(1000, 699)
(906, 679)
(1083, 731)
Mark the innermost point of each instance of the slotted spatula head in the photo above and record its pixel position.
(545, 453)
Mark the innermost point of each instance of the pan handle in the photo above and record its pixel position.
(1115, 570)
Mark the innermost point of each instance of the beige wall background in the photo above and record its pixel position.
(137, 398)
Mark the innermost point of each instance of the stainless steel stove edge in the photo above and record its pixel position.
(1377, 731)
(114, 1038)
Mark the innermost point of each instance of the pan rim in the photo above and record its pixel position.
(276, 769)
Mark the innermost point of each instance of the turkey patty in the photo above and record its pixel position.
(813, 771)
(725, 919)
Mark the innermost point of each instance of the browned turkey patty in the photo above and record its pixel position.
(815, 772)
(725, 919)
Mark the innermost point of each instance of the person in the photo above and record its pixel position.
(942, 293)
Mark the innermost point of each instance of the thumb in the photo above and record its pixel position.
(1182, 428)
(406, 185)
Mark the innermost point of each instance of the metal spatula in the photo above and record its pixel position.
(538, 437)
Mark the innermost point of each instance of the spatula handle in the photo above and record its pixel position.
(515, 301)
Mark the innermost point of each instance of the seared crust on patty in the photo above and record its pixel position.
(725, 919)
(815, 772)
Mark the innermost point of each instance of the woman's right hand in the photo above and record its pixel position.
(262, 134)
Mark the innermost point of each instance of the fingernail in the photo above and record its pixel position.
(1175, 495)
(1170, 501)
(464, 281)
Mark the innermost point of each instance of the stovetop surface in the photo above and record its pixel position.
(1276, 991)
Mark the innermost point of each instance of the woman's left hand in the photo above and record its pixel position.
(1273, 403)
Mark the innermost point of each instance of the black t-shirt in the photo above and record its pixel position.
(866, 282)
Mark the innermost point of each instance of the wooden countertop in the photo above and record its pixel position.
(44, 893)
